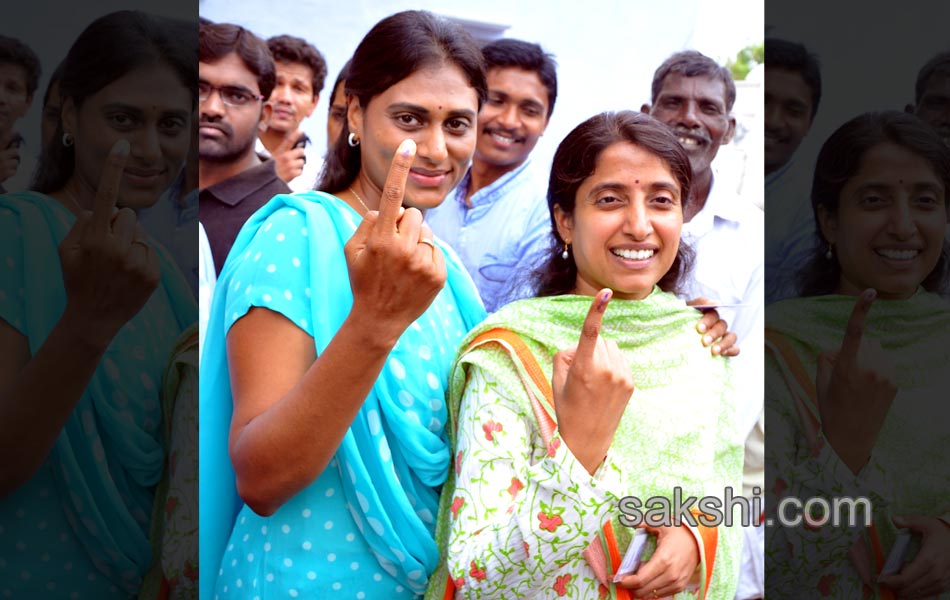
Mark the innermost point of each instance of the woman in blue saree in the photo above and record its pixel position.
(334, 324)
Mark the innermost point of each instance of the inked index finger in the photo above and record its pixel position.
(855, 329)
(591, 330)
(395, 188)
(108, 191)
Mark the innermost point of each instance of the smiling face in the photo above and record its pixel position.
(788, 109)
(625, 228)
(695, 108)
(513, 118)
(151, 108)
(890, 224)
(293, 99)
(437, 108)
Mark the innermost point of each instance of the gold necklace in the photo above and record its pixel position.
(358, 198)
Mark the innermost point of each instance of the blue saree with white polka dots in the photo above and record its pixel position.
(79, 528)
(364, 528)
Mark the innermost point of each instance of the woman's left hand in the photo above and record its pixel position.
(928, 575)
(715, 330)
(669, 569)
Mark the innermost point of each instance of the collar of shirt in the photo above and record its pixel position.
(721, 205)
(236, 188)
(261, 149)
(493, 191)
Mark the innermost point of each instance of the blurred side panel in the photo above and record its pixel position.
(98, 299)
(857, 174)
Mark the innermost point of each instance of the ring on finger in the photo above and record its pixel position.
(428, 242)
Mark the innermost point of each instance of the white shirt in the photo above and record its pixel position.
(727, 237)
(307, 180)
(206, 281)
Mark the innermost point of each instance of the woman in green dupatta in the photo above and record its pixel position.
(637, 406)
(856, 372)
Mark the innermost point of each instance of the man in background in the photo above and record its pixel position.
(235, 76)
(497, 218)
(301, 72)
(792, 94)
(19, 77)
(932, 95)
(694, 96)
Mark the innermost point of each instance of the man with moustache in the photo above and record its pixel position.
(497, 218)
(235, 75)
(301, 71)
(932, 100)
(792, 94)
(694, 96)
(932, 95)
(19, 77)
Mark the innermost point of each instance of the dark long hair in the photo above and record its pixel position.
(576, 159)
(394, 49)
(840, 158)
(108, 49)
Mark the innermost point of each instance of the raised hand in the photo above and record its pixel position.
(856, 385)
(109, 271)
(715, 330)
(670, 568)
(290, 160)
(395, 268)
(592, 385)
(9, 158)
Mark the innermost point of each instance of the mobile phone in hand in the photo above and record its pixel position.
(631, 560)
(301, 141)
(895, 559)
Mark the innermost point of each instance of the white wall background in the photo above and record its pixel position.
(606, 50)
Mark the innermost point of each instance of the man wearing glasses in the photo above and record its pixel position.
(235, 75)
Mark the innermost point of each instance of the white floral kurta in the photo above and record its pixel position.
(522, 511)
